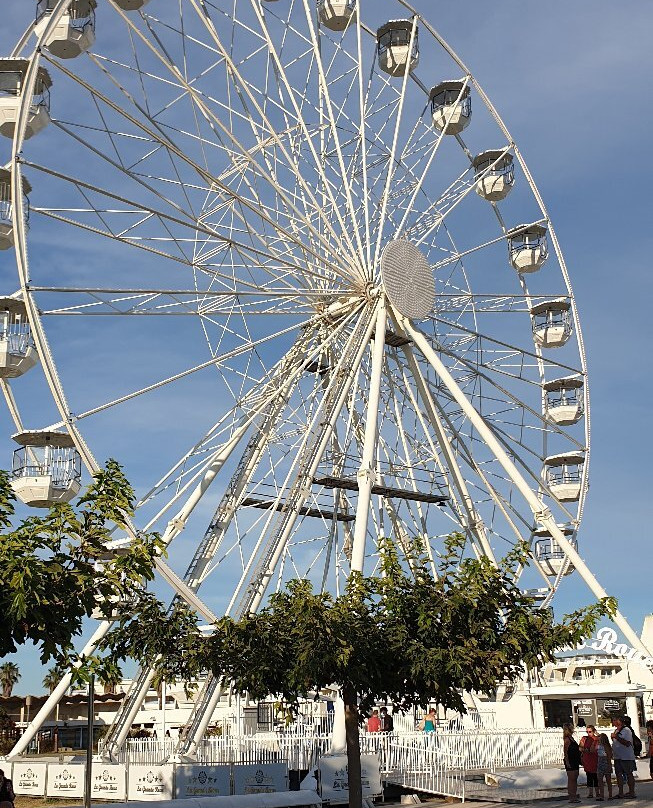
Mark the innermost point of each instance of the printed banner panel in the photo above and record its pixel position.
(334, 780)
(29, 778)
(151, 782)
(65, 780)
(109, 781)
(260, 779)
(202, 781)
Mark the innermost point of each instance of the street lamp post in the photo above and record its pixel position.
(89, 743)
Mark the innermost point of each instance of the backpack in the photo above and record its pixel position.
(573, 754)
(637, 744)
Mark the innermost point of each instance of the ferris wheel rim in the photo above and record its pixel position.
(64, 410)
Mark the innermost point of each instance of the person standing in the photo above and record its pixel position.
(604, 768)
(572, 761)
(387, 722)
(590, 759)
(428, 722)
(7, 795)
(624, 757)
(649, 736)
(374, 722)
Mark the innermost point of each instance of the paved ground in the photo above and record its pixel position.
(643, 789)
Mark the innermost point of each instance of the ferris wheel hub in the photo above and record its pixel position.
(408, 279)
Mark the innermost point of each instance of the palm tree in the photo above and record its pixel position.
(9, 675)
(52, 678)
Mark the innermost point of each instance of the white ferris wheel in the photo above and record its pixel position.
(285, 261)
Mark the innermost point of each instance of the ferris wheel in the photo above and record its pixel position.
(285, 261)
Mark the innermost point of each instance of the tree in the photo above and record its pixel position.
(8, 732)
(52, 678)
(403, 638)
(109, 679)
(55, 570)
(9, 675)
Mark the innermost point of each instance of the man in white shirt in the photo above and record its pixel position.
(624, 757)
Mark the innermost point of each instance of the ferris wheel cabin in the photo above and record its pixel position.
(548, 552)
(131, 5)
(495, 174)
(336, 14)
(12, 80)
(563, 475)
(17, 350)
(563, 401)
(394, 49)
(451, 107)
(551, 322)
(74, 32)
(527, 247)
(6, 208)
(46, 468)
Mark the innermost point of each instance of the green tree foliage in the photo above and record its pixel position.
(402, 638)
(8, 732)
(9, 676)
(53, 677)
(55, 570)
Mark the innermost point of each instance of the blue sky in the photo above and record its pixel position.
(571, 81)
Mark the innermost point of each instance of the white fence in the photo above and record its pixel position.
(144, 751)
(462, 750)
(489, 750)
(425, 768)
(300, 751)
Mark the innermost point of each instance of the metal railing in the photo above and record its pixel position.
(63, 465)
(559, 475)
(426, 768)
(552, 319)
(467, 750)
(489, 750)
(564, 398)
(297, 750)
(18, 336)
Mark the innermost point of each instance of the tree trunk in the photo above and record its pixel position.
(350, 699)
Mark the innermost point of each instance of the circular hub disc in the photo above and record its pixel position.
(408, 279)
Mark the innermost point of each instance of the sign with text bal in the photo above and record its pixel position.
(150, 782)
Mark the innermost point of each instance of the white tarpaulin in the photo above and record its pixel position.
(109, 781)
(150, 782)
(338, 738)
(334, 780)
(260, 779)
(284, 799)
(65, 780)
(202, 781)
(29, 778)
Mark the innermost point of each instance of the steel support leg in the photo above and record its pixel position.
(367, 474)
(542, 514)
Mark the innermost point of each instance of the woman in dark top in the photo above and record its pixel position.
(7, 795)
(572, 761)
